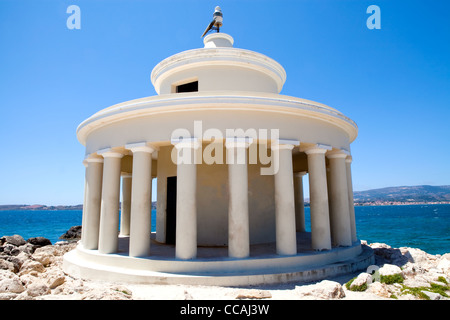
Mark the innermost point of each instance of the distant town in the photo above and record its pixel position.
(390, 196)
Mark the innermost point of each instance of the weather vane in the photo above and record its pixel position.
(216, 23)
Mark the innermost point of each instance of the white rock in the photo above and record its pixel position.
(6, 274)
(432, 295)
(415, 282)
(407, 297)
(38, 288)
(253, 294)
(6, 265)
(11, 285)
(390, 269)
(361, 279)
(55, 279)
(45, 258)
(444, 264)
(30, 266)
(380, 289)
(323, 290)
(421, 257)
(7, 296)
(101, 294)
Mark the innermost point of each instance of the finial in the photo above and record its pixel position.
(216, 23)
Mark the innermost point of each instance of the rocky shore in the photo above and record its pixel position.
(32, 270)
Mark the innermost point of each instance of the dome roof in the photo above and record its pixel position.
(218, 66)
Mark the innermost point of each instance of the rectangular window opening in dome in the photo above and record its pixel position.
(187, 87)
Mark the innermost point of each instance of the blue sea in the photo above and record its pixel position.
(426, 227)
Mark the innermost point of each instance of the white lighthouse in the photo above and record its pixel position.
(230, 155)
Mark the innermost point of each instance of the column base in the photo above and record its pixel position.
(210, 269)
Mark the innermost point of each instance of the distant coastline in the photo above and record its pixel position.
(390, 196)
(399, 203)
(36, 207)
(42, 207)
(39, 207)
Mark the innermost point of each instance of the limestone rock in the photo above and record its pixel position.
(8, 296)
(27, 248)
(6, 265)
(6, 274)
(31, 266)
(323, 290)
(421, 257)
(432, 295)
(380, 289)
(39, 241)
(11, 285)
(362, 279)
(386, 254)
(44, 257)
(444, 264)
(417, 281)
(253, 294)
(102, 294)
(10, 249)
(55, 279)
(28, 279)
(389, 270)
(38, 288)
(15, 240)
(74, 233)
(187, 295)
(14, 263)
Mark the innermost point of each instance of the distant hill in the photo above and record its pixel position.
(422, 193)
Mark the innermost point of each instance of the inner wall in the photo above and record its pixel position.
(212, 200)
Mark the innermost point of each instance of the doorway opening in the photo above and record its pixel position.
(171, 210)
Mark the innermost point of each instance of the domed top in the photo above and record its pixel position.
(218, 66)
(216, 40)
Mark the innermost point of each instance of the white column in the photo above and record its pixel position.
(339, 210)
(109, 216)
(238, 220)
(93, 194)
(84, 213)
(351, 205)
(299, 201)
(126, 205)
(141, 200)
(320, 220)
(286, 238)
(186, 225)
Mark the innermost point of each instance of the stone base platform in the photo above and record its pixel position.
(214, 267)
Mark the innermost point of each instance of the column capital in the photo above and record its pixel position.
(93, 157)
(300, 174)
(317, 148)
(111, 152)
(349, 159)
(140, 147)
(126, 175)
(185, 142)
(238, 142)
(337, 153)
(284, 144)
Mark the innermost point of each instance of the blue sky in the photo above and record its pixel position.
(393, 82)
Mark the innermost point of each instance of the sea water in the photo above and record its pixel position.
(426, 227)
